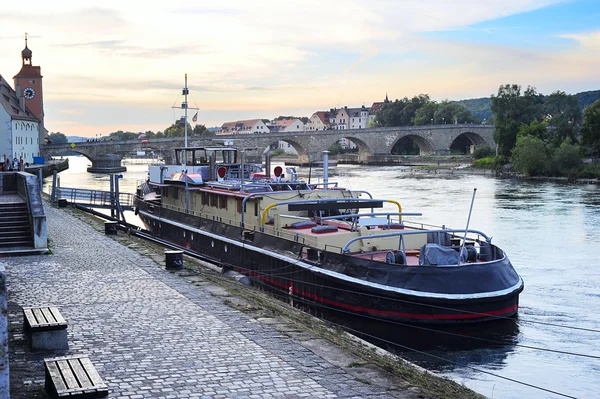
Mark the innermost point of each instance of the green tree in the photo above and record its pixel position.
(424, 115)
(201, 130)
(57, 138)
(535, 129)
(566, 160)
(511, 110)
(401, 112)
(391, 113)
(590, 129)
(447, 113)
(304, 119)
(176, 130)
(564, 113)
(122, 136)
(529, 156)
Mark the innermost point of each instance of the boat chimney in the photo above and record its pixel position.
(268, 164)
(325, 168)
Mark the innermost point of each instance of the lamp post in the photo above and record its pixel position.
(432, 121)
(443, 120)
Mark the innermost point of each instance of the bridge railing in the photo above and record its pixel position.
(95, 198)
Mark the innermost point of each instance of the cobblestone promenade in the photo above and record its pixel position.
(153, 334)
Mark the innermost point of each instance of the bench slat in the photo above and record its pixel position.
(67, 375)
(54, 372)
(50, 320)
(44, 318)
(79, 371)
(57, 316)
(92, 373)
(39, 316)
(28, 316)
(73, 376)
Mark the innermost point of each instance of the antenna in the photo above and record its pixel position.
(467, 228)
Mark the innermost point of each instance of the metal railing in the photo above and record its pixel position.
(95, 198)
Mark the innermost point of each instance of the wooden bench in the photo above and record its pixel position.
(73, 377)
(45, 327)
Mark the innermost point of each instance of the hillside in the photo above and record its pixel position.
(481, 107)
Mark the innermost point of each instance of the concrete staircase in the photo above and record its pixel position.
(15, 226)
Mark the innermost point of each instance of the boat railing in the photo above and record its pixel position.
(270, 230)
(437, 233)
(323, 185)
(316, 204)
(383, 219)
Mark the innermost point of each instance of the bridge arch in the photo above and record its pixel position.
(465, 140)
(424, 145)
(300, 149)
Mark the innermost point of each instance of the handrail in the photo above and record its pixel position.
(95, 197)
(402, 233)
(246, 198)
(264, 213)
(371, 214)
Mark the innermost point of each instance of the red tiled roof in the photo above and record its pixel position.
(376, 107)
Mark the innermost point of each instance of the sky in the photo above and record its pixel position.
(120, 65)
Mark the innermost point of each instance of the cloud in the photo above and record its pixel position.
(270, 54)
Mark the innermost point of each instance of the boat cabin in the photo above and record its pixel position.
(205, 155)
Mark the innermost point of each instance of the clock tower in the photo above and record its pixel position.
(28, 86)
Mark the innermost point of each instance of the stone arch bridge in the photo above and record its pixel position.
(432, 139)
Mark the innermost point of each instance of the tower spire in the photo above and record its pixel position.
(26, 53)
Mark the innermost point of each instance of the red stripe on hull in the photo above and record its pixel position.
(453, 316)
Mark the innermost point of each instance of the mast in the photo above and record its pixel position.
(185, 107)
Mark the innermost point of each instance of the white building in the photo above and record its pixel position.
(318, 121)
(244, 127)
(22, 112)
(19, 128)
(358, 118)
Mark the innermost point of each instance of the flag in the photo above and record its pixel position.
(195, 117)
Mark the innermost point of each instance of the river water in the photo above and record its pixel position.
(551, 233)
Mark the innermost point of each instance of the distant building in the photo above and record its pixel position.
(244, 127)
(22, 112)
(318, 121)
(358, 118)
(338, 118)
(376, 107)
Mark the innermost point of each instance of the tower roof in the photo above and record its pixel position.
(26, 54)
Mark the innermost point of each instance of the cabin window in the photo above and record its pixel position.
(205, 199)
(175, 193)
(239, 205)
(256, 209)
(222, 202)
(213, 200)
(165, 191)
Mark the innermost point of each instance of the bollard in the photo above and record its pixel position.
(62, 203)
(174, 260)
(111, 227)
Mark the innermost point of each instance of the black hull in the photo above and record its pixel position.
(319, 286)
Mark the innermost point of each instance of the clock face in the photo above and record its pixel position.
(29, 93)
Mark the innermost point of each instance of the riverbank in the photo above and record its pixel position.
(151, 332)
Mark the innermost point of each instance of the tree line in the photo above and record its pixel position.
(421, 110)
(545, 135)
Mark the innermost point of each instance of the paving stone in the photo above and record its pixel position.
(152, 334)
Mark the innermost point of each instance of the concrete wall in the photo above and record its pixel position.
(28, 187)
